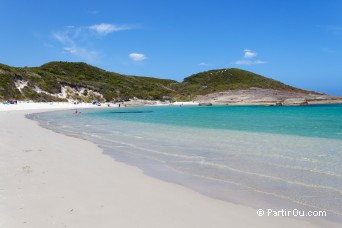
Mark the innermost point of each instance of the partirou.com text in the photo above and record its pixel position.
(290, 213)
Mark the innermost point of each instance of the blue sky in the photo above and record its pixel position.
(296, 42)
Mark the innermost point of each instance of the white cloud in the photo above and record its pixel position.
(247, 58)
(70, 40)
(206, 64)
(71, 50)
(259, 62)
(137, 56)
(82, 53)
(249, 54)
(249, 62)
(79, 41)
(104, 29)
(62, 38)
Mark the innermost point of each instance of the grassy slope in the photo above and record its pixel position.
(227, 79)
(49, 77)
(111, 85)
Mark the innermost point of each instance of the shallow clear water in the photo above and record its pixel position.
(284, 157)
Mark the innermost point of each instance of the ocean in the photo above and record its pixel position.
(264, 157)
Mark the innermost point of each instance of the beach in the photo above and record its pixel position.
(52, 180)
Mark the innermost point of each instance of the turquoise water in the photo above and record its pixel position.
(276, 157)
(313, 121)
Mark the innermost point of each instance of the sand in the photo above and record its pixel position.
(22, 105)
(52, 180)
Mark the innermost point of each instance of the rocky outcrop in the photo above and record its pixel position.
(295, 102)
(268, 97)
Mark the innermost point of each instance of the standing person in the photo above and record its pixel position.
(76, 112)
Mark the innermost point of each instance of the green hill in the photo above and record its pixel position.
(228, 79)
(45, 82)
(51, 76)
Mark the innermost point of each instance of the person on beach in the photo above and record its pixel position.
(76, 112)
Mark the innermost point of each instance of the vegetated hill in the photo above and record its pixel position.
(228, 79)
(111, 85)
(51, 77)
(56, 81)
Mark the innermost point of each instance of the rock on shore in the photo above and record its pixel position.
(267, 97)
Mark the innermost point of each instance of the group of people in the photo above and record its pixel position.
(10, 102)
(78, 112)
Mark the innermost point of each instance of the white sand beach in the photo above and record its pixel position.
(48, 105)
(52, 180)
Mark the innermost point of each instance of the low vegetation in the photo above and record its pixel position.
(46, 81)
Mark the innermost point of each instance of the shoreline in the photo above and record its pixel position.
(22, 105)
(51, 180)
(32, 106)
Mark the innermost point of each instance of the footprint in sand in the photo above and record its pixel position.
(27, 169)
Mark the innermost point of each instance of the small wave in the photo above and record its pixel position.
(130, 112)
(203, 162)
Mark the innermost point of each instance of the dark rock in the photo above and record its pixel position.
(205, 104)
